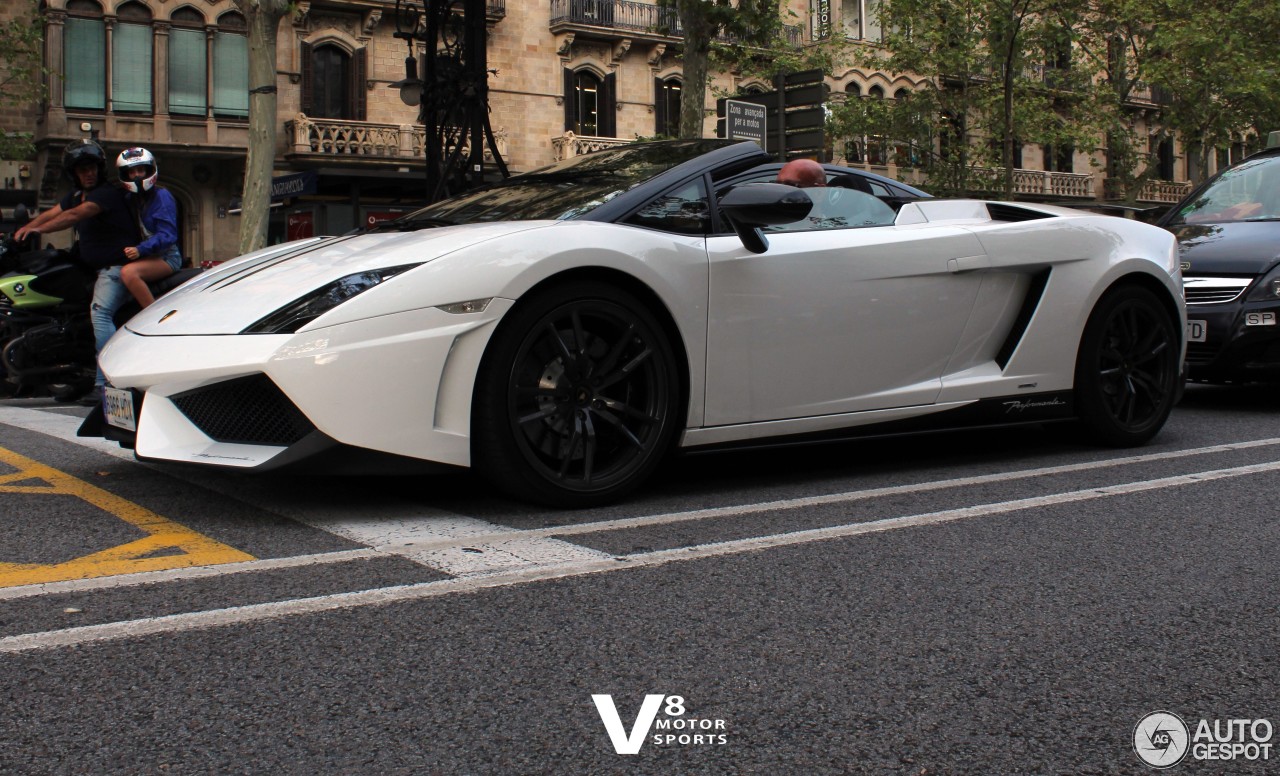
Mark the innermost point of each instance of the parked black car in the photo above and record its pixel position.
(1228, 233)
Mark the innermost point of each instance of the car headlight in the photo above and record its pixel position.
(1267, 289)
(300, 312)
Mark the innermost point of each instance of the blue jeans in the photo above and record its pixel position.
(109, 295)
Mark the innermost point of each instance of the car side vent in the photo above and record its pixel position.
(1012, 213)
(248, 410)
(1035, 290)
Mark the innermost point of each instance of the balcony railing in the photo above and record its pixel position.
(1163, 191)
(1036, 183)
(626, 15)
(570, 145)
(366, 140)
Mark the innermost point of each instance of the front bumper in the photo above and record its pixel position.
(397, 384)
(1239, 343)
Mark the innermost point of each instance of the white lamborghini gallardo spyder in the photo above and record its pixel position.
(563, 330)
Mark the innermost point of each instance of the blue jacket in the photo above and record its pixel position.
(160, 219)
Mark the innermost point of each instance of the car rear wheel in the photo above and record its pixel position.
(576, 398)
(1127, 375)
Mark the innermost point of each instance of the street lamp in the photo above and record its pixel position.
(410, 86)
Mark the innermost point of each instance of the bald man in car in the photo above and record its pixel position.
(802, 173)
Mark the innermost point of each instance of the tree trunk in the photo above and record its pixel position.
(697, 45)
(263, 17)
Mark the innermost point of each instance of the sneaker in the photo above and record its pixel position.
(92, 398)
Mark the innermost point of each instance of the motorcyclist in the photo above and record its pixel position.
(157, 256)
(98, 211)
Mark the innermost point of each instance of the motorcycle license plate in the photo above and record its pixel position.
(118, 406)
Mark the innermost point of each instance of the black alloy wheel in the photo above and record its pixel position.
(576, 399)
(1127, 372)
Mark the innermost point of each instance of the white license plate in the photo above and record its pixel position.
(118, 406)
(1259, 319)
(1196, 331)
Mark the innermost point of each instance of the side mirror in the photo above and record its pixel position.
(753, 205)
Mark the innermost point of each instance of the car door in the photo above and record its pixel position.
(830, 321)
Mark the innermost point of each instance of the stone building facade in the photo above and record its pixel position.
(570, 76)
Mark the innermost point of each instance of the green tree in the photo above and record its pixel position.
(1218, 68)
(1113, 39)
(754, 23)
(994, 77)
(21, 75)
(263, 17)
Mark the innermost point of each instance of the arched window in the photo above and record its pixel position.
(876, 93)
(231, 67)
(188, 63)
(333, 82)
(589, 103)
(84, 56)
(852, 89)
(666, 106)
(330, 89)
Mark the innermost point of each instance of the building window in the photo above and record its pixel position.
(83, 56)
(188, 64)
(231, 67)
(330, 71)
(861, 19)
(666, 107)
(1059, 158)
(1162, 156)
(589, 104)
(131, 60)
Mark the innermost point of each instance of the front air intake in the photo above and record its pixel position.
(248, 410)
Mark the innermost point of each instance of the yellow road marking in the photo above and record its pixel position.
(184, 547)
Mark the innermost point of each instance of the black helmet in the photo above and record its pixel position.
(78, 152)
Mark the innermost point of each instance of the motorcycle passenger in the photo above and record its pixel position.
(98, 211)
(157, 256)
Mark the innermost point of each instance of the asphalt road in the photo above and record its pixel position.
(1003, 602)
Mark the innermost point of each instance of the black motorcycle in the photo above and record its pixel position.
(46, 337)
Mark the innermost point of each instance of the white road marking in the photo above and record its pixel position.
(461, 546)
(381, 596)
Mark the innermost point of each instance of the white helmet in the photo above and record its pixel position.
(137, 157)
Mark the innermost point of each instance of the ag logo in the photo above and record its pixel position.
(1160, 739)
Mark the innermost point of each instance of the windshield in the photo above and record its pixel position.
(1247, 192)
(564, 190)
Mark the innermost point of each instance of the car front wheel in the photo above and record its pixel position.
(576, 398)
(1127, 376)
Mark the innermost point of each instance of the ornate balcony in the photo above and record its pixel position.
(1164, 191)
(610, 19)
(364, 141)
(1043, 183)
(570, 145)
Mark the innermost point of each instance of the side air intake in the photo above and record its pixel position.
(1002, 212)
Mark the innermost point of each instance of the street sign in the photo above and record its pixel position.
(744, 121)
(772, 118)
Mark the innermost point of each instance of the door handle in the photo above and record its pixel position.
(968, 263)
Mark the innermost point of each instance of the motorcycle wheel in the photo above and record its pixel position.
(65, 393)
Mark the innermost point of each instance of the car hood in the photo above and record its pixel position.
(1234, 248)
(242, 291)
